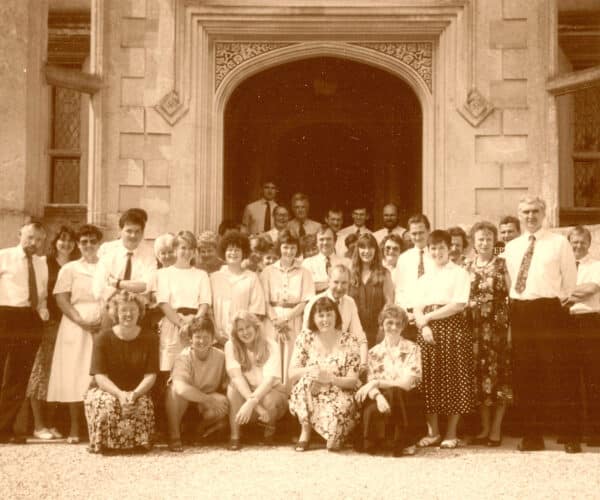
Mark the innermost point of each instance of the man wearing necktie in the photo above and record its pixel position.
(320, 265)
(542, 271)
(360, 216)
(390, 223)
(23, 291)
(258, 216)
(301, 225)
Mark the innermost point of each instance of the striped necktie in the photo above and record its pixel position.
(524, 268)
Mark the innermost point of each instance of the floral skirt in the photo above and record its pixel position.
(331, 411)
(37, 387)
(109, 429)
(448, 377)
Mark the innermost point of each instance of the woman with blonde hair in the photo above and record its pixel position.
(255, 391)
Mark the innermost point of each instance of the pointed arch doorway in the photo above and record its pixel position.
(344, 132)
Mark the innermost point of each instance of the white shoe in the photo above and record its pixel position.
(43, 434)
(55, 433)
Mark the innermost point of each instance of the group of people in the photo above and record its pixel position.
(364, 337)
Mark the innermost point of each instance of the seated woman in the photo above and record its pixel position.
(255, 391)
(324, 373)
(394, 373)
(118, 408)
(198, 377)
(446, 341)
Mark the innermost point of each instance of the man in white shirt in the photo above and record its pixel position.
(319, 265)
(584, 324)
(282, 218)
(543, 274)
(128, 265)
(412, 264)
(360, 215)
(23, 293)
(390, 223)
(301, 225)
(258, 215)
(339, 282)
(335, 220)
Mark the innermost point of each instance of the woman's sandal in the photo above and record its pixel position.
(449, 444)
(427, 441)
(73, 440)
(175, 445)
(302, 445)
(234, 444)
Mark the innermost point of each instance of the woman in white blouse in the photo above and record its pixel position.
(234, 288)
(255, 392)
(446, 341)
(287, 286)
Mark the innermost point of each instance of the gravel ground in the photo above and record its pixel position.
(68, 471)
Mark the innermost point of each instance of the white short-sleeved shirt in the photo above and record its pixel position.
(14, 278)
(449, 284)
(340, 242)
(178, 287)
(254, 215)
(588, 272)
(405, 276)
(256, 375)
(317, 265)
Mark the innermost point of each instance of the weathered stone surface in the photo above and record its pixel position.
(514, 63)
(500, 149)
(132, 91)
(495, 203)
(515, 122)
(515, 9)
(517, 175)
(133, 62)
(157, 201)
(492, 125)
(158, 146)
(156, 173)
(131, 172)
(132, 146)
(133, 32)
(508, 34)
(156, 124)
(133, 8)
(486, 175)
(509, 93)
(129, 197)
(131, 119)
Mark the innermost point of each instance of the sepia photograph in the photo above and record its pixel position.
(297, 249)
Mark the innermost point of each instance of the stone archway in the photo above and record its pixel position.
(342, 131)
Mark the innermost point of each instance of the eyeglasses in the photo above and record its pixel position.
(391, 249)
(86, 241)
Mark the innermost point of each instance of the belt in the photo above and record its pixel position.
(186, 310)
(285, 305)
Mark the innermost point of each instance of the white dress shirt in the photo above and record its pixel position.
(348, 310)
(14, 278)
(383, 232)
(317, 265)
(449, 284)
(552, 272)
(340, 244)
(405, 276)
(112, 265)
(588, 272)
(254, 215)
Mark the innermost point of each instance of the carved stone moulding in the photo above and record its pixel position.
(476, 108)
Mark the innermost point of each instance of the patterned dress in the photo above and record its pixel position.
(330, 410)
(489, 315)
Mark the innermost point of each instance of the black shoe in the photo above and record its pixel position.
(493, 443)
(531, 444)
(572, 447)
(478, 441)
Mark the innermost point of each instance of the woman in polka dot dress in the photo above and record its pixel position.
(446, 342)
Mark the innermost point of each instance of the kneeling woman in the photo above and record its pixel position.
(324, 374)
(118, 408)
(394, 373)
(255, 391)
(446, 342)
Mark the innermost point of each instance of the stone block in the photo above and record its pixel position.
(486, 175)
(129, 197)
(133, 62)
(492, 125)
(133, 32)
(515, 122)
(156, 124)
(133, 8)
(491, 149)
(494, 203)
(131, 146)
(132, 91)
(131, 172)
(131, 119)
(508, 34)
(514, 64)
(509, 93)
(517, 175)
(157, 201)
(156, 173)
(157, 147)
(514, 9)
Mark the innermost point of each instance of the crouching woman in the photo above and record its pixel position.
(124, 365)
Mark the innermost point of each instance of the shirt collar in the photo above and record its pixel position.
(125, 250)
(295, 265)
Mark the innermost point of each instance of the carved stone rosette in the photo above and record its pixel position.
(229, 55)
(417, 55)
(476, 108)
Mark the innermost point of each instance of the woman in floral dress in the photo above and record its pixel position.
(324, 371)
(489, 313)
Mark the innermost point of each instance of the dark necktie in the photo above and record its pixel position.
(32, 284)
(577, 264)
(267, 216)
(389, 230)
(127, 273)
(524, 268)
(358, 231)
(327, 264)
(301, 231)
(421, 268)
